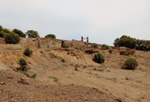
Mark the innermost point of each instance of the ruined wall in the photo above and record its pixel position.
(41, 42)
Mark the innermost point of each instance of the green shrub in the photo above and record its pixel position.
(32, 34)
(105, 47)
(50, 36)
(23, 63)
(63, 60)
(1, 28)
(12, 38)
(19, 32)
(131, 63)
(99, 57)
(129, 42)
(55, 78)
(64, 45)
(94, 46)
(2, 34)
(6, 30)
(77, 48)
(28, 51)
(28, 75)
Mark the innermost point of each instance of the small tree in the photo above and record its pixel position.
(131, 63)
(32, 34)
(99, 57)
(50, 36)
(23, 63)
(12, 38)
(28, 51)
(19, 32)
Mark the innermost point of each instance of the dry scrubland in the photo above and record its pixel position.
(70, 74)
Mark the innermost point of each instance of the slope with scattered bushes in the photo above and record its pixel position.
(54, 65)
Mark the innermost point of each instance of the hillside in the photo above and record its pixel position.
(77, 78)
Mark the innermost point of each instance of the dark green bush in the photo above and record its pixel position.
(50, 36)
(63, 60)
(19, 32)
(99, 57)
(12, 38)
(131, 63)
(127, 41)
(32, 34)
(105, 47)
(1, 28)
(23, 63)
(2, 34)
(6, 30)
(28, 51)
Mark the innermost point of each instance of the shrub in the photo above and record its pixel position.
(32, 34)
(6, 30)
(127, 41)
(12, 38)
(63, 60)
(28, 51)
(99, 57)
(2, 34)
(28, 75)
(64, 45)
(23, 63)
(19, 32)
(94, 46)
(105, 47)
(131, 63)
(77, 48)
(50, 36)
(1, 28)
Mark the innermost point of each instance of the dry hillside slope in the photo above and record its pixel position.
(70, 74)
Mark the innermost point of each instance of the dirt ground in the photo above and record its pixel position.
(16, 88)
(76, 79)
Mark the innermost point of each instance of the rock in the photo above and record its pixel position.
(2, 83)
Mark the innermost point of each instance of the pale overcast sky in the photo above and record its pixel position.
(101, 20)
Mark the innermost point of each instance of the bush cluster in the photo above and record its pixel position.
(12, 38)
(23, 63)
(99, 57)
(19, 32)
(105, 47)
(50, 36)
(131, 63)
(127, 41)
(28, 51)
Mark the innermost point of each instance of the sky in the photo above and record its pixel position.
(101, 20)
